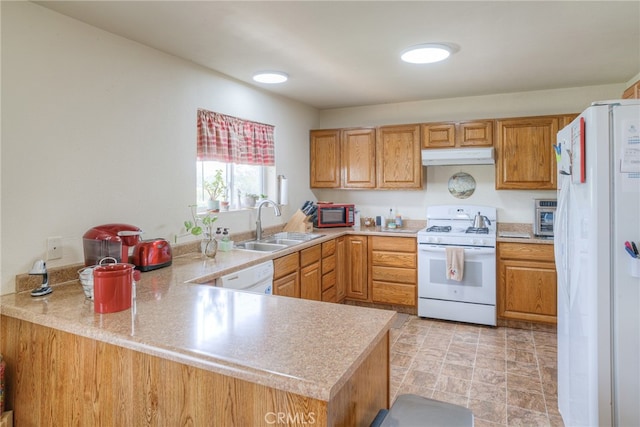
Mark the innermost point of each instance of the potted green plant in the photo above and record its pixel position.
(216, 188)
(199, 225)
(249, 200)
(224, 203)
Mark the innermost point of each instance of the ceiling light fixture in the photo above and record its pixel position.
(271, 77)
(426, 53)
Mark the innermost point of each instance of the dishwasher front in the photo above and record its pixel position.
(257, 279)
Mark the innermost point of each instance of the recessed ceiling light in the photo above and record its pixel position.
(426, 53)
(271, 77)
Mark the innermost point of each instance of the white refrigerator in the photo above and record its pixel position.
(598, 210)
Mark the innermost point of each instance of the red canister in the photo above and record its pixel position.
(112, 287)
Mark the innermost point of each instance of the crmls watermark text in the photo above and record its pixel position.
(285, 418)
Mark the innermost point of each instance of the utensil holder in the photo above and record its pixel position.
(299, 223)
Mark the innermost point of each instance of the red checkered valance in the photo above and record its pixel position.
(232, 140)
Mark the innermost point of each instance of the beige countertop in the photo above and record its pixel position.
(305, 347)
(205, 271)
(519, 233)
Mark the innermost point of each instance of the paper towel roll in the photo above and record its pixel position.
(283, 190)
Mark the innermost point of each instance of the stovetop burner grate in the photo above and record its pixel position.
(439, 229)
(475, 230)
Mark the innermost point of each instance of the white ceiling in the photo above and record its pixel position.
(342, 54)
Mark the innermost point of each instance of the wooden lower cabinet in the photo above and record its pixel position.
(341, 268)
(376, 269)
(55, 378)
(329, 293)
(317, 273)
(356, 268)
(287, 286)
(311, 273)
(394, 276)
(527, 285)
(286, 276)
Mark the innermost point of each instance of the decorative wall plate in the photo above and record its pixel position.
(461, 185)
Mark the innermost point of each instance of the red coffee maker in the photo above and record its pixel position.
(109, 240)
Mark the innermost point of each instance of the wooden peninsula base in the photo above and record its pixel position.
(59, 378)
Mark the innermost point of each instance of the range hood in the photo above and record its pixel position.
(458, 156)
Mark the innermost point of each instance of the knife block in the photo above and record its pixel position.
(299, 223)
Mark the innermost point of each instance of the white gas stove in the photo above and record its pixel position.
(453, 225)
(473, 298)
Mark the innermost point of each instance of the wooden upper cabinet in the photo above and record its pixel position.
(438, 135)
(525, 155)
(325, 158)
(565, 119)
(399, 164)
(632, 92)
(478, 133)
(366, 158)
(359, 158)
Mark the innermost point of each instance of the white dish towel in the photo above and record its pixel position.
(455, 263)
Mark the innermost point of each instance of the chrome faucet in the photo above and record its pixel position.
(258, 221)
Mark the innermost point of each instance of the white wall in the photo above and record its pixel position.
(99, 129)
(513, 205)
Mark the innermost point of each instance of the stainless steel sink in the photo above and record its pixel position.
(287, 242)
(277, 242)
(298, 237)
(260, 246)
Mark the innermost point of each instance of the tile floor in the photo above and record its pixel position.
(506, 376)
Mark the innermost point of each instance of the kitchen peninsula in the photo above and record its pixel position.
(189, 353)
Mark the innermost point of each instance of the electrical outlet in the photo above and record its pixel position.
(54, 248)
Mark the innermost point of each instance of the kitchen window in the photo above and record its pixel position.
(240, 179)
(241, 149)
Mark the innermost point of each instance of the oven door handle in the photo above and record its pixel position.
(476, 250)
